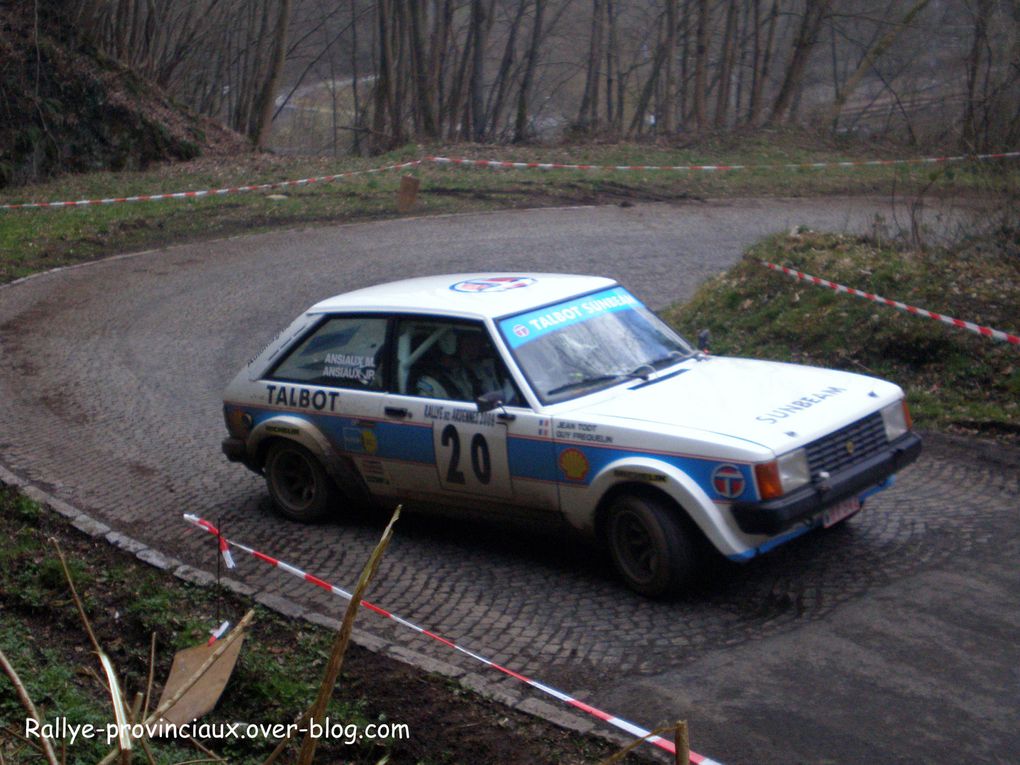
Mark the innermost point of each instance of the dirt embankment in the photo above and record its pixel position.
(65, 108)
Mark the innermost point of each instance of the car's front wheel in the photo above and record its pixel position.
(651, 548)
(298, 484)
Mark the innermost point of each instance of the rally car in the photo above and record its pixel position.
(559, 397)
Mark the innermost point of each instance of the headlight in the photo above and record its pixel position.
(238, 421)
(897, 419)
(782, 475)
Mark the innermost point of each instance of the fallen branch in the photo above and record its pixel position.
(26, 702)
(343, 638)
(116, 697)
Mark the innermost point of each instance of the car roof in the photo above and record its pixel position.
(475, 295)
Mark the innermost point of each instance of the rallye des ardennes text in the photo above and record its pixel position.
(559, 397)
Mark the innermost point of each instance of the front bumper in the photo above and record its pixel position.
(777, 515)
(235, 448)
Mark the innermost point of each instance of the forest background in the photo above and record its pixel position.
(366, 76)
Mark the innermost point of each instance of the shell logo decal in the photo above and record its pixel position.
(574, 464)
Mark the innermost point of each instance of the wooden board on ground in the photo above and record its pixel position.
(203, 695)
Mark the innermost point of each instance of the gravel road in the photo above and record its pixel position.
(893, 640)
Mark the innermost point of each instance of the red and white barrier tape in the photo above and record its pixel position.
(617, 722)
(996, 334)
(504, 164)
(217, 633)
(209, 192)
(228, 559)
(710, 168)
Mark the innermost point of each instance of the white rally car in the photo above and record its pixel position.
(550, 396)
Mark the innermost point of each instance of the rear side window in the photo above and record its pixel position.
(344, 352)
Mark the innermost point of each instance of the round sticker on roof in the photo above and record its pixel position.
(493, 284)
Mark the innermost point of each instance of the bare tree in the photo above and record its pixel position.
(504, 76)
(727, 60)
(701, 67)
(804, 42)
(871, 56)
(763, 53)
(489, 69)
(970, 132)
(667, 105)
(587, 113)
(264, 110)
(419, 63)
(641, 110)
(521, 119)
(614, 80)
(479, 33)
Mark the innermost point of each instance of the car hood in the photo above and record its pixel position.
(775, 405)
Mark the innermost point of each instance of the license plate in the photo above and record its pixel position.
(840, 511)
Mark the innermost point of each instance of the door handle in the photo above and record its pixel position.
(396, 411)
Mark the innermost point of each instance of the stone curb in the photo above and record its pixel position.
(472, 681)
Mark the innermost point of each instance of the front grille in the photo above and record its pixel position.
(847, 446)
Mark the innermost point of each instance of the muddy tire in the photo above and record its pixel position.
(300, 488)
(651, 547)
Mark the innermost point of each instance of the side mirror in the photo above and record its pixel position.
(489, 401)
(493, 400)
(704, 340)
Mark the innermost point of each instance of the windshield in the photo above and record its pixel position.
(590, 342)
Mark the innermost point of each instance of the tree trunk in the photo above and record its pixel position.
(969, 133)
(521, 120)
(440, 54)
(667, 107)
(354, 78)
(762, 64)
(423, 93)
(382, 138)
(637, 122)
(873, 54)
(501, 86)
(722, 105)
(614, 112)
(587, 113)
(264, 107)
(701, 68)
(807, 36)
(458, 88)
(478, 18)
(738, 111)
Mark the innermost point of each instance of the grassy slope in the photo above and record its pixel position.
(276, 677)
(33, 240)
(955, 379)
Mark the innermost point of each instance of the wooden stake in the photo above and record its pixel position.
(683, 743)
(408, 194)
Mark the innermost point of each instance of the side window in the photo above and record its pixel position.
(450, 361)
(345, 352)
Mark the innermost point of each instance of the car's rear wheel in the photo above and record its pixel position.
(652, 549)
(298, 484)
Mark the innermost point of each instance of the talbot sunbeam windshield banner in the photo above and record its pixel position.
(524, 328)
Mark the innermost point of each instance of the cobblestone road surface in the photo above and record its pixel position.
(892, 640)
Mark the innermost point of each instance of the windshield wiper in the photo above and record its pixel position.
(586, 382)
(670, 358)
(642, 371)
